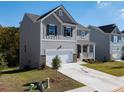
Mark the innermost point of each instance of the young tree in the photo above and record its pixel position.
(56, 64)
(3, 62)
(9, 44)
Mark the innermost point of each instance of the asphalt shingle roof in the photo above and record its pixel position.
(33, 17)
(108, 28)
(42, 16)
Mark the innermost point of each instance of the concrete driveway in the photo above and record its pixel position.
(95, 79)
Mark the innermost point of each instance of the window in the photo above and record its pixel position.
(91, 48)
(68, 31)
(82, 33)
(119, 38)
(51, 29)
(60, 13)
(114, 39)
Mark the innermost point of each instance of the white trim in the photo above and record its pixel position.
(67, 13)
(57, 18)
(68, 24)
(59, 50)
(94, 51)
(59, 40)
(41, 36)
(50, 13)
(56, 10)
(52, 24)
(60, 12)
(69, 50)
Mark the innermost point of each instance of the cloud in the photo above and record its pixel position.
(102, 4)
(122, 13)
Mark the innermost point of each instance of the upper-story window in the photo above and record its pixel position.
(60, 13)
(82, 33)
(51, 29)
(119, 38)
(68, 31)
(115, 39)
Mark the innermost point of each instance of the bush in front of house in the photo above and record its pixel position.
(56, 64)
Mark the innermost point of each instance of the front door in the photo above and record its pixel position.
(78, 51)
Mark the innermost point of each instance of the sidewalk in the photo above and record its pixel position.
(82, 89)
(97, 80)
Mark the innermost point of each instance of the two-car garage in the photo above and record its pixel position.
(65, 55)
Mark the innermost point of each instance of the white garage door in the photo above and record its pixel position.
(66, 56)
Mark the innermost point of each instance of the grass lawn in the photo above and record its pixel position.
(113, 68)
(14, 80)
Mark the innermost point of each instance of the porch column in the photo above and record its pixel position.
(88, 50)
(81, 52)
(94, 51)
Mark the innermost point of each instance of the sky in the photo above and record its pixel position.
(95, 13)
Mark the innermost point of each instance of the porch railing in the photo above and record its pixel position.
(88, 55)
(59, 37)
(82, 37)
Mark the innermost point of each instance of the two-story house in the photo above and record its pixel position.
(53, 33)
(109, 42)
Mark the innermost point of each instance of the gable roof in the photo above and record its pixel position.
(107, 28)
(122, 32)
(33, 17)
(42, 16)
(82, 27)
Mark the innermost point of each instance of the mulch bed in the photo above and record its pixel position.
(2, 88)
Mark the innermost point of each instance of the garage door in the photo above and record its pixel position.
(66, 56)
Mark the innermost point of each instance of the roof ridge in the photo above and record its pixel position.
(107, 25)
(45, 14)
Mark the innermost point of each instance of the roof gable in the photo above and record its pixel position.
(116, 30)
(47, 13)
(54, 10)
(33, 17)
(107, 28)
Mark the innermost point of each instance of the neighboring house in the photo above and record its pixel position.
(109, 42)
(54, 33)
(122, 32)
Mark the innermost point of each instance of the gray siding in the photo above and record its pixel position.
(102, 43)
(29, 36)
(60, 28)
(64, 18)
(56, 44)
(51, 20)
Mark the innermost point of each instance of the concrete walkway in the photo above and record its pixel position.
(82, 89)
(92, 78)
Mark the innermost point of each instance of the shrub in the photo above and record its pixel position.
(3, 62)
(56, 64)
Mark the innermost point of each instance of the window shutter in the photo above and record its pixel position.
(71, 31)
(47, 30)
(55, 30)
(64, 31)
(112, 38)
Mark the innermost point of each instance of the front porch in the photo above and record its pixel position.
(86, 51)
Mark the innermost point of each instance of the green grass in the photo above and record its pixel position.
(14, 80)
(113, 68)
